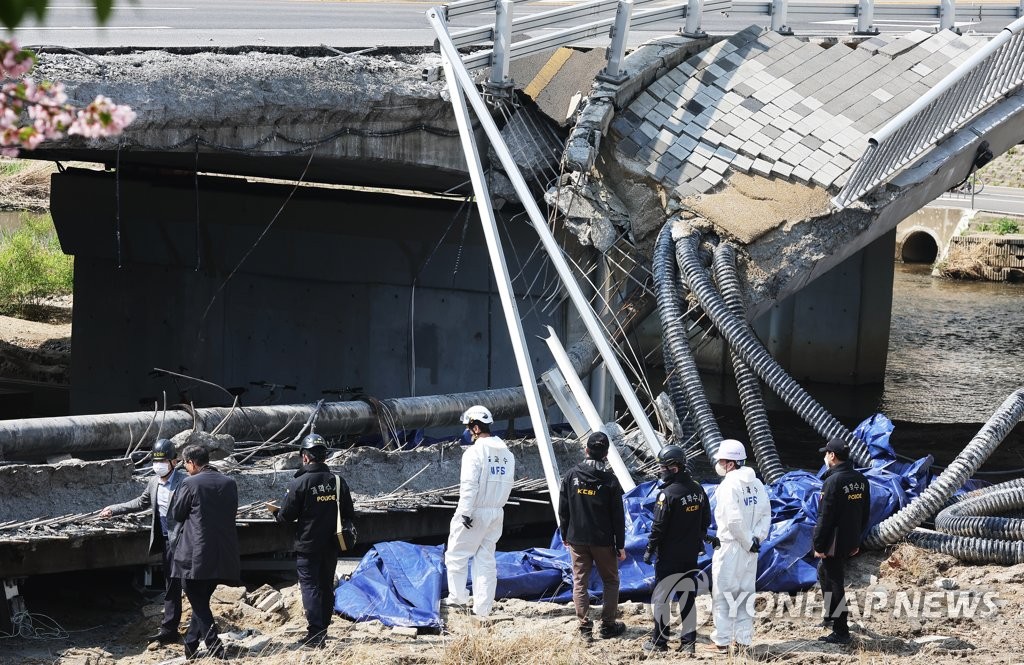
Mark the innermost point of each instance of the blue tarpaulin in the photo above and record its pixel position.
(402, 584)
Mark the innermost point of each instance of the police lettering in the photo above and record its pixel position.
(854, 497)
(325, 497)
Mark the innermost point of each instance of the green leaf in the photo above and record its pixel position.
(11, 12)
(103, 9)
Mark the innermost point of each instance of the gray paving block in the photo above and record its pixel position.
(741, 163)
(772, 132)
(771, 153)
(797, 154)
(685, 190)
(717, 165)
(782, 169)
(761, 140)
(802, 173)
(744, 89)
(665, 109)
(627, 147)
(694, 130)
(811, 142)
(732, 142)
(762, 167)
(722, 128)
(649, 129)
(725, 154)
(698, 160)
(712, 137)
(831, 148)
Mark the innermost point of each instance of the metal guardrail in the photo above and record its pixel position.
(996, 69)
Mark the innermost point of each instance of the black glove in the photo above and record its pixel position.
(467, 521)
(713, 541)
(648, 556)
(755, 545)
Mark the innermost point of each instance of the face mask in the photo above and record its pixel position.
(161, 469)
(667, 474)
(720, 470)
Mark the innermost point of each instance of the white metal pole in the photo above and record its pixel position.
(599, 376)
(501, 278)
(502, 52)
(617, 49)
(866, 17)
(694, 9)
(539, 222)
(780, 10)
(947, 14)
(587, 407)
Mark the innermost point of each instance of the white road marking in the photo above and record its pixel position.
(53, 28)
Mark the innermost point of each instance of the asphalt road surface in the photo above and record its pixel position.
(1007, 200)
(338, 23)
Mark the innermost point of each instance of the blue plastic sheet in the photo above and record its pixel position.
(402, 584)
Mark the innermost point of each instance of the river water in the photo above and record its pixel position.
(956, 348)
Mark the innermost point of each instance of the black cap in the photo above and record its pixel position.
(834, 446)
(597, 445)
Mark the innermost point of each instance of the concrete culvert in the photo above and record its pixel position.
(919, 247)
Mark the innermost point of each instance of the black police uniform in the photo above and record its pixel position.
(843, 514)
(682, 515)
(313, 503)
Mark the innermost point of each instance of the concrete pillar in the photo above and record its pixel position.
(836, 329)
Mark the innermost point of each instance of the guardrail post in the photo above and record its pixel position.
(866, 18)
(502, 52)
(1020, 9)
(780, 8)
(694, 9)
(947, 15)
(617, 49)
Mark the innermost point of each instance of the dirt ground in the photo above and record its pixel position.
(523, 631)
(38, 350)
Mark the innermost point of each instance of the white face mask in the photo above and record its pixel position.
(719, 469)
(161, 469)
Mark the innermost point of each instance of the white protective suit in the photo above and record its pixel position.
(488, 471)
(742, 511)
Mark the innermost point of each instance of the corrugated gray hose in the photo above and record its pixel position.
(685, 387)
(747, 383)
(742, 340)
(900, 525)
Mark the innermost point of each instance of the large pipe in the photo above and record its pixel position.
(33, 439)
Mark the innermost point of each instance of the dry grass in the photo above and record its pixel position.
(25, 185)
(965, 262)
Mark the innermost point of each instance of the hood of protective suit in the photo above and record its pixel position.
(744, 475)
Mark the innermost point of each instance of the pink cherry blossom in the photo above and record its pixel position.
(32, 112)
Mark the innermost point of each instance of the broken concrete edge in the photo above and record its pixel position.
(645, 64)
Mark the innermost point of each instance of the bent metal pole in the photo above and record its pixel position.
(554, 251)
(504, 284)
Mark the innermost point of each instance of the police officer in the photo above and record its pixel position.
(592, 524)
(843, 515)
(682, 515)
(167, 475)
(485, 482)
(314, 497)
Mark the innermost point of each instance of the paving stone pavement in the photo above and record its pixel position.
(777, 106)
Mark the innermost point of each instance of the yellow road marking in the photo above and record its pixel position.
(547, 72)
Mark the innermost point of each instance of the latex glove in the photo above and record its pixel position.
(467, 521)
(755, 545)
(648, 556)
(713, 541)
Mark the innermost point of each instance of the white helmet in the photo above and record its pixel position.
(478, 413)
(731, 449)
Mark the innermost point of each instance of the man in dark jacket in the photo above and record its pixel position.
(314, 500)
(682, 515)
(592, 523)
(205, 552)
(843, 514)
(162, 529)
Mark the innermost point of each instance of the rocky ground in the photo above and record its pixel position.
(909, 621)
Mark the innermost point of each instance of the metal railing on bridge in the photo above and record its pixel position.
(617, 17)
(995, 70)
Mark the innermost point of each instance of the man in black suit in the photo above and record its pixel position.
(167, 475)
(205, 552)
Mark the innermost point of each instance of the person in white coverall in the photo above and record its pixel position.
(488, 471)
(742, 517)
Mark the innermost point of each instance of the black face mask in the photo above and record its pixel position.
(667, 475)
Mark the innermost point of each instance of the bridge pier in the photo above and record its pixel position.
(836, 328)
